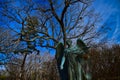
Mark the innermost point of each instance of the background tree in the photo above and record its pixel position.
(35, 24)
(45, 23)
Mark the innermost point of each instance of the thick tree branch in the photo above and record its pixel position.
(60, 22)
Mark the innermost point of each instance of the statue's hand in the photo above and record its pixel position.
(66, 51)
(61, 67)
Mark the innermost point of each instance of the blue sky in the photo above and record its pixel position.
(110, 12)
(109, 9)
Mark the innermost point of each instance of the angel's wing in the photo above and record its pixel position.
(82, 45)
(59, 51)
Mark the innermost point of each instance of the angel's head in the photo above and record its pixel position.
(82, 45)
(69, 43)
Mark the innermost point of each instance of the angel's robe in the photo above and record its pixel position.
(69, 61)
(73, 57)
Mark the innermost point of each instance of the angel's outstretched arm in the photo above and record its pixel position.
(62, 62)
(76, 50)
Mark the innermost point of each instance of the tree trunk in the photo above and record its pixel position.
(22, 76)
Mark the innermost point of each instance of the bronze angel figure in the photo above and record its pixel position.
(69, 60)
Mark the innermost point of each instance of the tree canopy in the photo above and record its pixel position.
(44, 23)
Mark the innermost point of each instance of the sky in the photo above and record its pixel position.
(110, 12)
(111, 16)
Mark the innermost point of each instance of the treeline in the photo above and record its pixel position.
(104, 65)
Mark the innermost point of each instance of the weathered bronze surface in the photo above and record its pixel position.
(69, 60)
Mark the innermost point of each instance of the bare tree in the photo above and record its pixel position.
(6, 43)
(36, 67)
(45, 25)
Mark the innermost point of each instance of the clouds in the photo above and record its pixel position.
(110, 12)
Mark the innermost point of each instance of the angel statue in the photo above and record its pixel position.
(69, 60)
